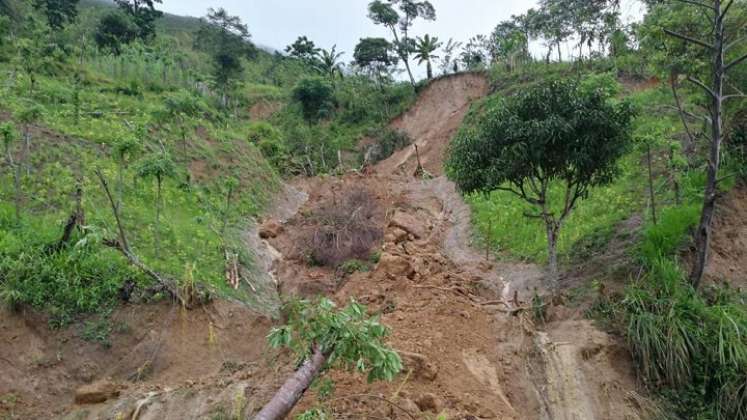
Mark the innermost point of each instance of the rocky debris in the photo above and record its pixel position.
(96, 392)
(396, 235)
(270, 229)
(421, 367)
(430, 402)
(409, 406)
(395, 265)
(408, 223)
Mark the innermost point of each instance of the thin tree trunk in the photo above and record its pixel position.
(703, 233)
(552, 253)
(652, 197)
(429, 69)
(26, 149)
(403, 56)
(17, 188)
(690, 137)
(157, 233)
(560, 53)
(120, 184)
(293, 389)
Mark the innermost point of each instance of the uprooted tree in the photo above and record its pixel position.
(548, 145)
(325, 337)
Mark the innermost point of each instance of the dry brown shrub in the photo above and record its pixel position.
(344, 229)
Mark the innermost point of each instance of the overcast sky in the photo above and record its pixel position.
(277, 23)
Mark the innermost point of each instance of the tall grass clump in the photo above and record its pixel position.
(690, 347)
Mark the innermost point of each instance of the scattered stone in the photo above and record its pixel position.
(270, 229)
(408, 223)
(430, 402)
(420, 365)
(409, 406)
(96, 392)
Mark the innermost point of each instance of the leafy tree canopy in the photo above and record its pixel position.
(143, 13)
(316, 96)
(352, 339)
(303, 48)
(113, 31)
(58, 12)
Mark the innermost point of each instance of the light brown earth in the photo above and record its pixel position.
(464, 358)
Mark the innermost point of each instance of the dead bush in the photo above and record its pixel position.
(344, 229)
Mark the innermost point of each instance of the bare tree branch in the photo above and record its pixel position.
(697, 3)
(734, 43)
(726, 10)
(689, 39)
(681, 110)
(735, 62)
(735, 96)
(124, 247)
(702, 85)
(691, 115)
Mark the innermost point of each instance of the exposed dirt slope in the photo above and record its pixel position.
(463, 357)
(728, 258)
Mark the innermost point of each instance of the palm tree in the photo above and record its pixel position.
(424, 48)
(328, 63)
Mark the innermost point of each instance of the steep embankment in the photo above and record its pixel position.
(464, 356)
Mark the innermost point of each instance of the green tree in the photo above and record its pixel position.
(27, 117)
(144, 14)
(114, 30)
(510, 43)
(554, 134)
(58, 12)
(181, 108)
(304, 49)
(375, 55)
(124, 152)
(324, 337)
(228, 41)
(424, 49)
(329, 64)
(384, 13)
(158, 166)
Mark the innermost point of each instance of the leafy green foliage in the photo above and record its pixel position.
(351, 338)
(113, 31)
(227, 40)
(694, 345)
(58, 12)
(143, 13)
(316, 96)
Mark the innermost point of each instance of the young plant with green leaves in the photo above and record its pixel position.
(555, 133)
(159, 167)
(325, 337)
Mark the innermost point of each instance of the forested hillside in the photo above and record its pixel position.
(188, 219)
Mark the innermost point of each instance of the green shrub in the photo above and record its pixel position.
(269, 140)
(692, 348)
(386, 142)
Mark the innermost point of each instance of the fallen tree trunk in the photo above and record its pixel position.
(294, 387)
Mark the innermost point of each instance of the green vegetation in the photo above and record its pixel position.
(548, 146)
(166, 121)
(324, 337)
